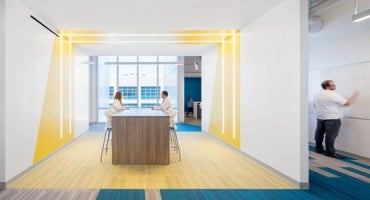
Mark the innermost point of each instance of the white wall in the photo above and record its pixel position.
(340, 41)
(274, 124)
(81, 92)
(209, 63)
(2, 93)
(180, 93)
(28, 59)
(341, 44)
(28, 53)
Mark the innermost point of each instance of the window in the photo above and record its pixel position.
(150, 92)
(128, 93)
(152, 59)
(130, 105)
(111, 92)
(139, 78)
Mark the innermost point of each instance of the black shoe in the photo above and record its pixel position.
(321, 151)
(337, 156)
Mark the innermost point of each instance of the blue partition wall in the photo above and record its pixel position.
(193, 87)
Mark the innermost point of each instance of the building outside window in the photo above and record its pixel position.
(139, 78)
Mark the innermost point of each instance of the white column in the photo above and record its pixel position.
(2, 94)
(180, 91)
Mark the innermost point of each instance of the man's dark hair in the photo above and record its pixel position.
(165, 93)
(325, 84)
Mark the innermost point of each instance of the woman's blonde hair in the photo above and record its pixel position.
(118, 96)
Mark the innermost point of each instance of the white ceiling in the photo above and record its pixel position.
(145, 49)
(148, 16)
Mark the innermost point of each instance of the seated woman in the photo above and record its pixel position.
(117, 105)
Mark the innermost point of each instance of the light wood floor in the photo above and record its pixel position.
(47, 194)
(191, 120)
(205, 163)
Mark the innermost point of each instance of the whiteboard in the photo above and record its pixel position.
(347, 79)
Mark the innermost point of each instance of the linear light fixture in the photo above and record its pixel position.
(223, 85)
(61, 84)
(70, 87)
(357, 17)
(361, 16)
(146, 35)
(234, 85)
(143, 41)
(42, 24)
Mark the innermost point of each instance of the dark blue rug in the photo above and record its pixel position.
(188, 128)
(116, 194)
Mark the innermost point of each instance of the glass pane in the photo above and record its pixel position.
(168, 81)
(140, 85)
(147, 58)
(127, 58)
(167, 59)
(127, 84)
(107, 81)
(149, 91)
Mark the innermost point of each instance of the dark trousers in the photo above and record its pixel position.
(329, 128)
(190, 109)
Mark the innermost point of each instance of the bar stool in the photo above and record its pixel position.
(107, 140)
(174, 143)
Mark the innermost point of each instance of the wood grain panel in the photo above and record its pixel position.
(140, 140)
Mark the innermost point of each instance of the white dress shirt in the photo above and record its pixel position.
(327, 105)
(166, 105)
(117, 105)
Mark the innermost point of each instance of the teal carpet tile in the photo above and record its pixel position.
(188, 128)
(118, 194)
(235, 194)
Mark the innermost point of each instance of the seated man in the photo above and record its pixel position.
(166, 105)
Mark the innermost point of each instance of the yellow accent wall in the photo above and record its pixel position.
(225, 113)
(56, 124)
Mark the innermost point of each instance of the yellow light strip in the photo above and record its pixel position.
(234, 84)
(70, 87)
(223, 85)
(149, 41)
(146, 35)
(61, 85)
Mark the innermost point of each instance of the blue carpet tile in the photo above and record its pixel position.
(188, 128)
(321, 187)
(341, 187)
(348, 159)
(236, 194)
(118, 194)
(367, 175)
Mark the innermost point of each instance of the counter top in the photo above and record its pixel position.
(141, 112)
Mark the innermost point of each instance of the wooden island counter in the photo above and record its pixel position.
(140, 136)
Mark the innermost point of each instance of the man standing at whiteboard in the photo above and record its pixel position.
(327, 104)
